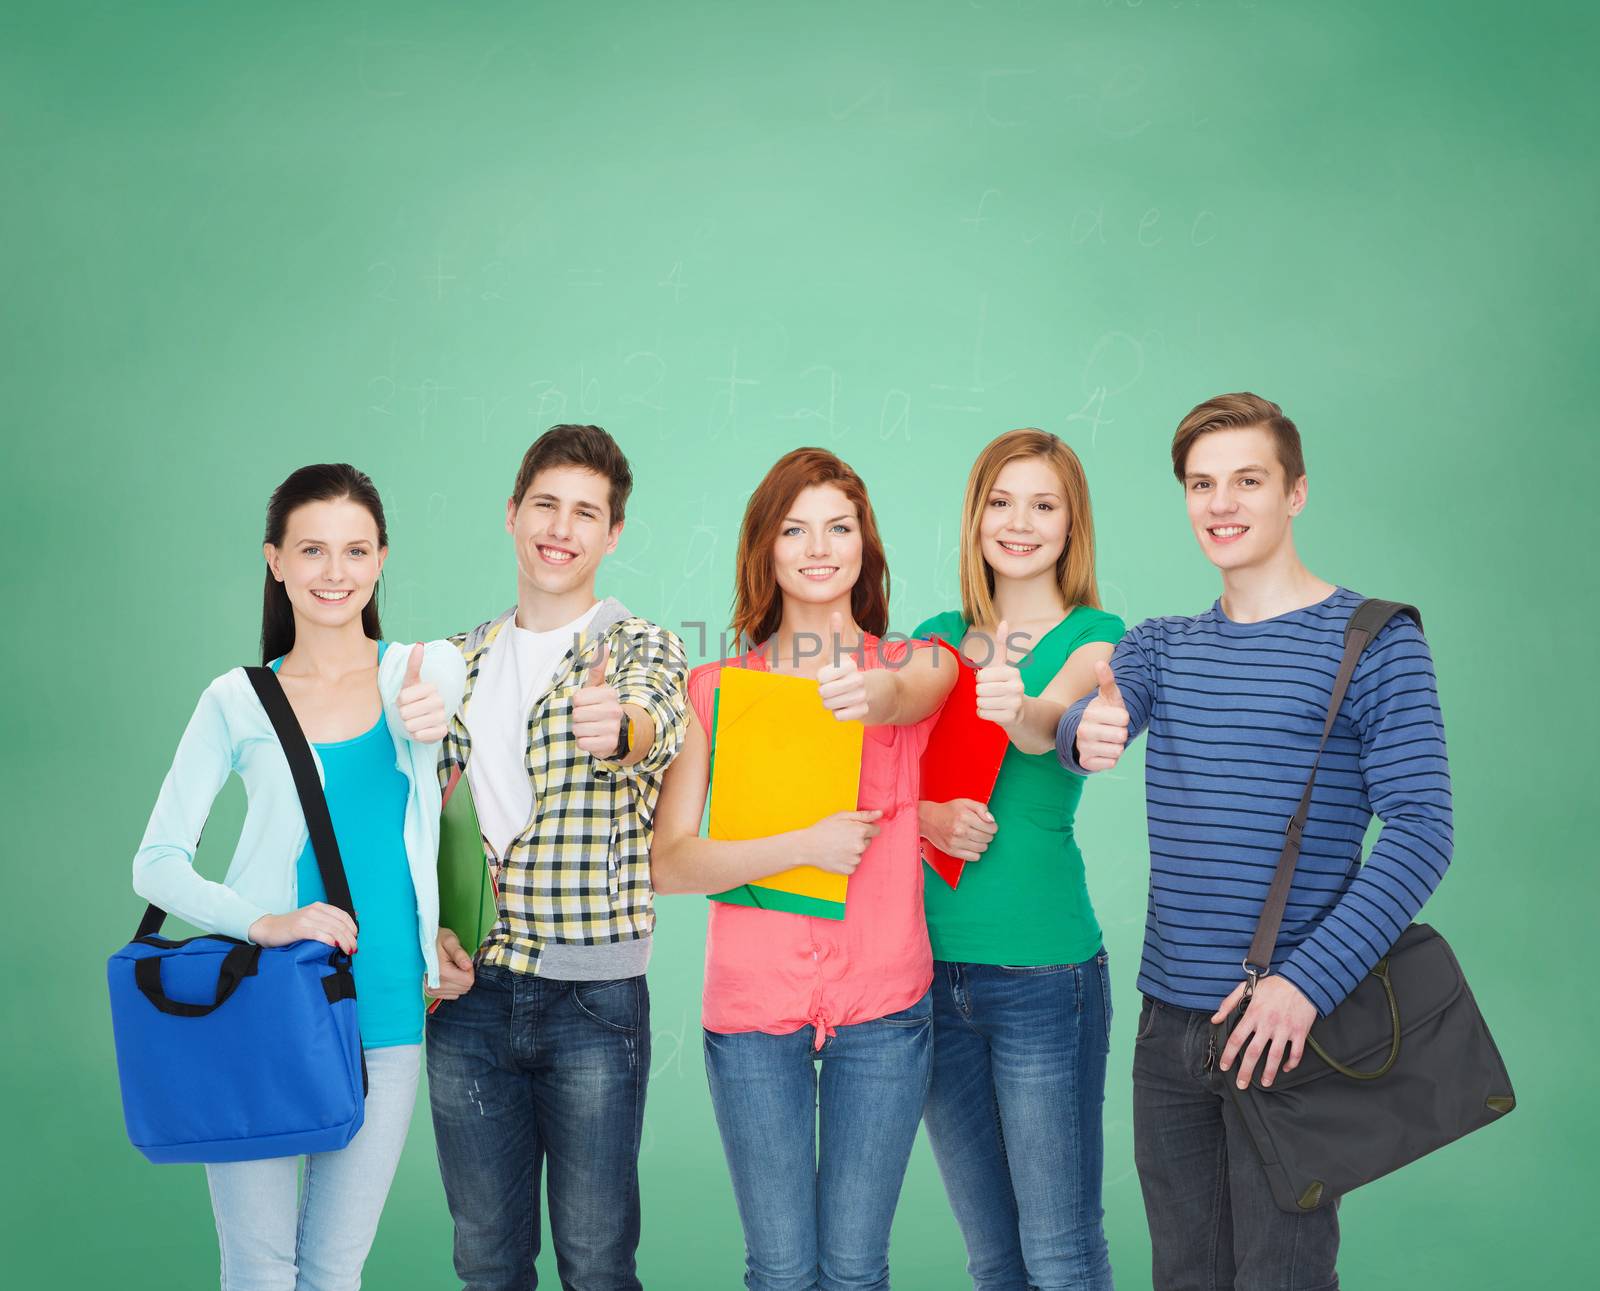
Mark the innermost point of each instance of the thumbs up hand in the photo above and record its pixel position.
(1000, 692)
(597, 714)
(1103, 729)
(421, 708)
(842, 685)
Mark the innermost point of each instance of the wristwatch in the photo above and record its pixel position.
(624, 738)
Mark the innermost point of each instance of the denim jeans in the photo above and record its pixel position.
(273, 1240)
(1014, 1119)
(527, 1073)
(1213, 1223)
(817, 1161)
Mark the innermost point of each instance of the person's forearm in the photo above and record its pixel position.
(659, 725)
(650, 687)
(1406, 772)
(1065, 740)
(1034, 731)
(1404, 867)
(643, 737)
(703, 865)
(446, 670)
(165, 876)
(163, 867)
(883, 697)
(902, 696)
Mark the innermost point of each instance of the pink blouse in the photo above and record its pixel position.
(768, 970)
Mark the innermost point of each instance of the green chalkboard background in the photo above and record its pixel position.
(411, 236)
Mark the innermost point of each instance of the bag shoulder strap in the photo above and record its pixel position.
(1365, 623)
(313, 802)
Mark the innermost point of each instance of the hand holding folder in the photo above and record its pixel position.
(962, 759)
(780, 762)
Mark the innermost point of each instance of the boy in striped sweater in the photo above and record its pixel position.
(1233, 702)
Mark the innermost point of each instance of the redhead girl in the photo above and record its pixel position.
(817, 1031)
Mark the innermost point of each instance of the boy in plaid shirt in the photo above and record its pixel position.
(573, 709)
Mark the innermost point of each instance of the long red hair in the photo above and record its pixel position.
(757, 600)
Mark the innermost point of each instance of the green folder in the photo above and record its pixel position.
(467, 903)
(775, 899)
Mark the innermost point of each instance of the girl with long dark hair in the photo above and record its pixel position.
(373, 713)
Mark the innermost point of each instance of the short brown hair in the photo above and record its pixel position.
(587, 447)
(1237, 412)
(757, 600)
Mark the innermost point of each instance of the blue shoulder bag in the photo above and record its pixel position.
(230, 1051)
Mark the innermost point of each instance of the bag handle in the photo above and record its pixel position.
(1381, 972)
(238, 964)
(313, 802)
(1365, 623)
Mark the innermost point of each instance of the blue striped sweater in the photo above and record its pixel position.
(1234, 712)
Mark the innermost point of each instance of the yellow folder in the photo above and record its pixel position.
(781, 761)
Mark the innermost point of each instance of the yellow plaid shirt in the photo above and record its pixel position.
(579, 872)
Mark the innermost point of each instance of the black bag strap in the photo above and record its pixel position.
(269, 690)
(1365, 623)
(239, 963)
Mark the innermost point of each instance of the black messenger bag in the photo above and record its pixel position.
(1403, 1066)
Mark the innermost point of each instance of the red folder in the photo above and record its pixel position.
(962, 759)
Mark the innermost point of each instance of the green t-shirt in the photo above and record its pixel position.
(1026, 900)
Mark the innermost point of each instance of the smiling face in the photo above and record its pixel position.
(329, 561)
(817, 555)
(1240, 503)
(561, 529)
(1025, 524)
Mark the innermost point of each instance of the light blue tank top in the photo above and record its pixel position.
(366, 795)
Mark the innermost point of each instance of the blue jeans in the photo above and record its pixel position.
(1213, 1223)
(273, 1240)
(527, 1073)
(1014, 1119)
(817, 1208)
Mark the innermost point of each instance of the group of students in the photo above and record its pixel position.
(982, 1011)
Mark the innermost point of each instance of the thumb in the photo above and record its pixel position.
(836, 635)
(973, 805)
(1227, 1005)
(450, 944)
(597, 673)
(1001, 632)
(414, 666)
(1108, 685)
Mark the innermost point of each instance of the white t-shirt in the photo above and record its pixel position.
(516, 670)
